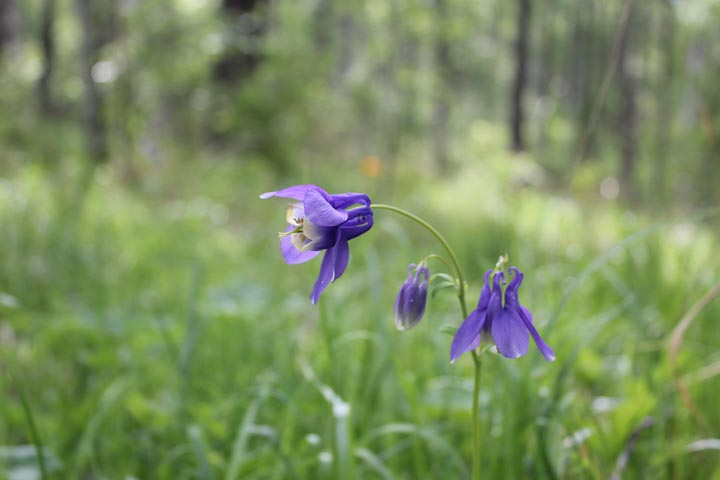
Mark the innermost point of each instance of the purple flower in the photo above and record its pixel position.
(410, 302)
(507, 323)
(320, 221)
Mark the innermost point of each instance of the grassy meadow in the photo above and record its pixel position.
(151, 330)
(157, 332)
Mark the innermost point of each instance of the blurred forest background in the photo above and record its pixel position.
(149, 329)
(622, 89)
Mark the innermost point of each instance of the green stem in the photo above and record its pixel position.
(440, 258)
(477, 439)
(461, 298)
(34, 436)
(443, 242)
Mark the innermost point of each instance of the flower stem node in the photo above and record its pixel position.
(411, 300)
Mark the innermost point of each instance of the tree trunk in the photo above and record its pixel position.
(517, 113)
(665, 96)
(9, 27)
(47, 43)
(92, 101)
(587, 77)
(441, 102)
(345, 57)
(246, 26)
(628, 120)
(323, 25)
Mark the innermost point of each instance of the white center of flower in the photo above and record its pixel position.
(304, 232)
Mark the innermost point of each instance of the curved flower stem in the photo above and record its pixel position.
(443, 242)
(441, 259)
(461, 298)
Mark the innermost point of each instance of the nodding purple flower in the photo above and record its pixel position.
(506, 322)
(320, 221)
(410, 302)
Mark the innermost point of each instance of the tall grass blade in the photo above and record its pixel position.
(107, 403)
(374, 462)
(436, 441)
(197, 441)
(241, 438)
(190, 339)
(676, 338)
(37, 443)
(342, 444)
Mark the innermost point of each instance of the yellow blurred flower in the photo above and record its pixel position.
(371, 166)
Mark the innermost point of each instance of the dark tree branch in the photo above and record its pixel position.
(47, 43)
(517, 112)
(441, 102)
(628, 123)
(92, 101)
(600, 99)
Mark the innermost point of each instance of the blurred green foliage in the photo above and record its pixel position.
(148, 319)
(164, 337)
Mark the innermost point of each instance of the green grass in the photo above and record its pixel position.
(153, 339)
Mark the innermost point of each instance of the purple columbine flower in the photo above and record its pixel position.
(410, 302)
(320, 221)
(507, 323)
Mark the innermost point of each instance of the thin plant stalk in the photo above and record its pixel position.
(477, 438)
(34, 435)
(441, 259)
(443, 242)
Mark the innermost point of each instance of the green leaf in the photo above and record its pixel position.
(441, 281)
(448, 330)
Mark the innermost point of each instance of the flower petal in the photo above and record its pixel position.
(321, 238)
(324, 277)
(341, 257)
(511, 292)
(292, 255)
(296, 192)
(478, 340)
(344, 200)
(319, 210)
(356, 226)
(295, 213)
(544, 348)
(467, 334)
(401, 322)
(418, 301)
(485, 293)
(405, 318)
(494, 306)
(510, 334)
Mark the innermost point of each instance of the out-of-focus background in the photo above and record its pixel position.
(149, 327)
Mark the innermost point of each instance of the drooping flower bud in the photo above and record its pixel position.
(410, 302)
